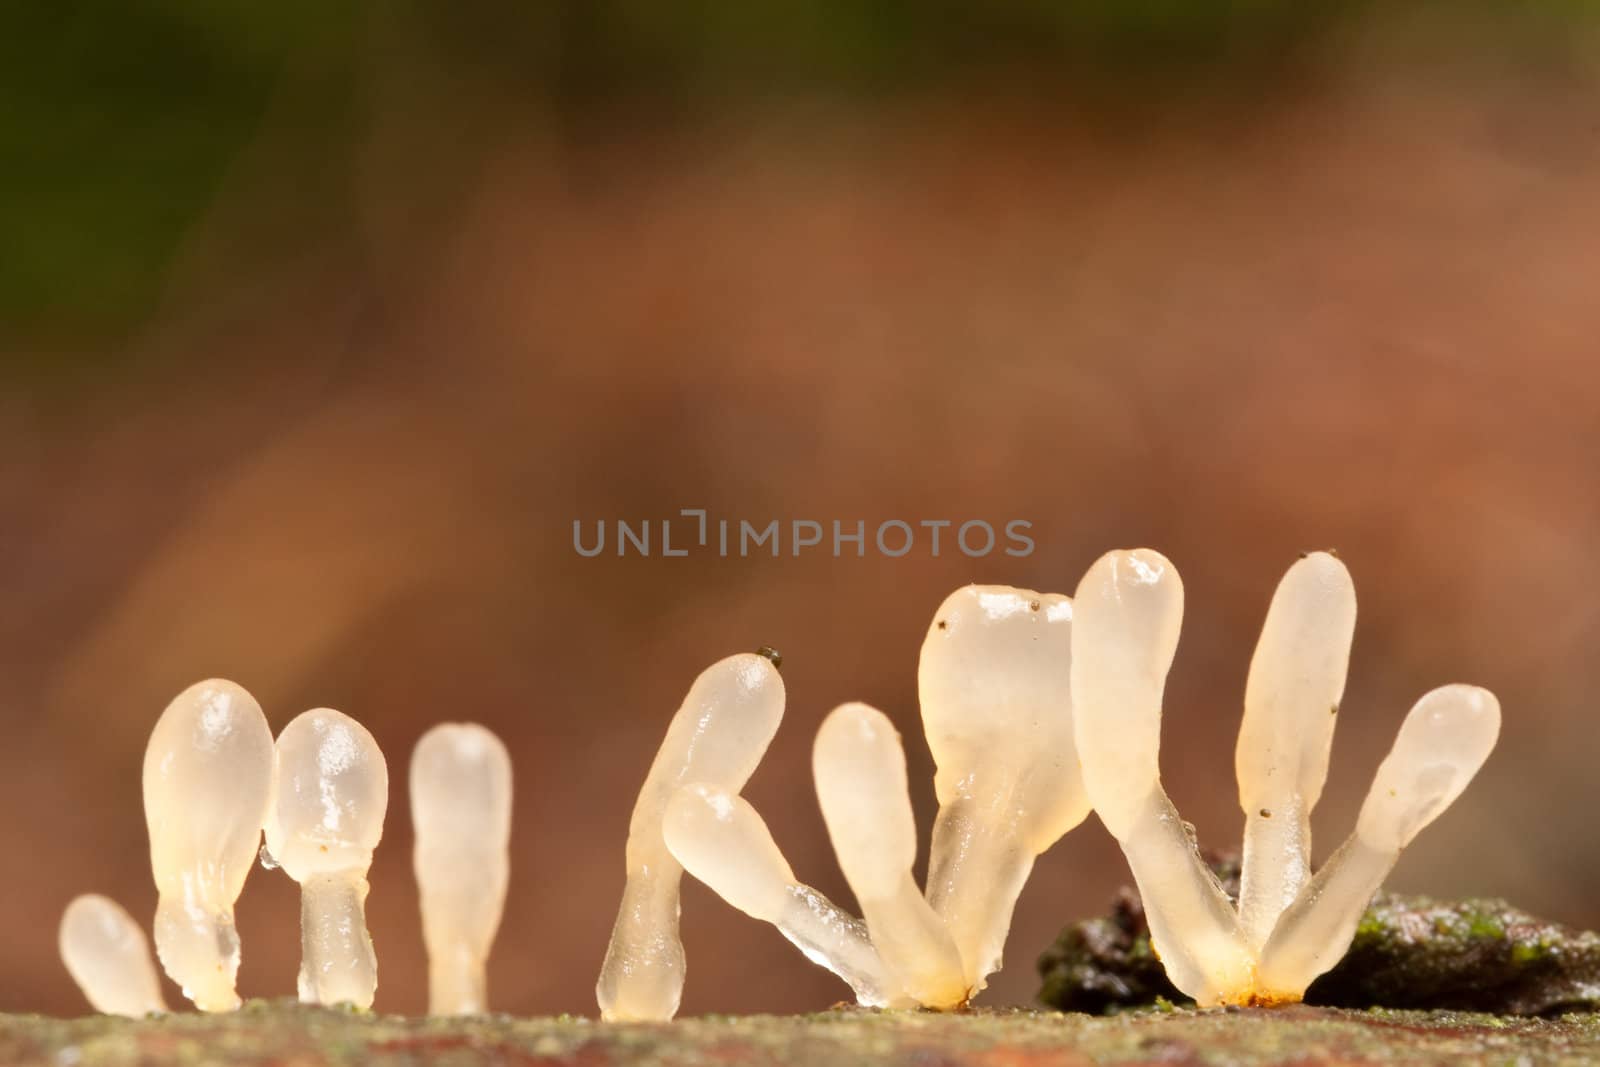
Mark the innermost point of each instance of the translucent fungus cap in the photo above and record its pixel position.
(721, 840)
(1440, 747)
(718, 736)
(333, 792)
(1296, 681)
(208, 781)
(461, 790)
(461, 809)
(1128, 611)
(860, 771)
(995, 684)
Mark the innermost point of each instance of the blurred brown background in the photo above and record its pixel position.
(319, 332)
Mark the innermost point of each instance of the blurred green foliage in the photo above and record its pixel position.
(119, 119)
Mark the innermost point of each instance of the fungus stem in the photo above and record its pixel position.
(1275, 864)
(976, 873)
(199, 948)
(913, 940)
(835, 940)
(458, 982)
(337, 964)
(1193, 926)
(1316, 930)
(643, 974)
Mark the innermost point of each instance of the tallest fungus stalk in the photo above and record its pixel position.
(1291, 702)
(717, 738)
(208, 781)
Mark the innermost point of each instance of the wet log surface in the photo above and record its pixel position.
(287, 1033)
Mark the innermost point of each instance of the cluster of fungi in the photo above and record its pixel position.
(215, 783)
(1038, 709)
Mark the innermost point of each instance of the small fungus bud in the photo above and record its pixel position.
(1440, 747)
(1281, 761)
(860, 771)
(721, 840)
(1128, 612)
(333, 792)
(107, 955)
(717, 737)
(208, 782)
(994, 682)
(461, 809)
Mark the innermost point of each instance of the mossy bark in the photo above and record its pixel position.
(1409, 952)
